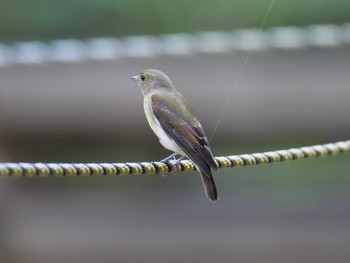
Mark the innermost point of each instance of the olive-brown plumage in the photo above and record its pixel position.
(172, 119)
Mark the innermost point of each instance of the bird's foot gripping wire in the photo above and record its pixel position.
(173, 162)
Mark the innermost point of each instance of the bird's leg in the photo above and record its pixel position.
(169, 157)
(181, 158)
(172, 158)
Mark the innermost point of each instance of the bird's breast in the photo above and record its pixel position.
(164, 139)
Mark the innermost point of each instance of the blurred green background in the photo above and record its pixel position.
(45, 20)
(90, 111)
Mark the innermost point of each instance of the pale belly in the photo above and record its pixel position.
(164, 139)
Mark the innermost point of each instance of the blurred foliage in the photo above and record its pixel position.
(48, 19)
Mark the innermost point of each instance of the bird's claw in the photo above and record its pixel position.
(174, 163)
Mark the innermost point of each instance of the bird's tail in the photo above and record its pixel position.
(208, 182)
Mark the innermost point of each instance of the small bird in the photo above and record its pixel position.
(173, 120)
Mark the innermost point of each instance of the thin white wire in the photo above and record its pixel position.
(240, 73)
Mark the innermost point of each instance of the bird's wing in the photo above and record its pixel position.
(182, 126)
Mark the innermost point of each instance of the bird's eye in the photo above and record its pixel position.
(143, 77)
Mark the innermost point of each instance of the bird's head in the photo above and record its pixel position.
(150, 79)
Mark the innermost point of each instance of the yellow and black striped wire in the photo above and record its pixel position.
(113, 169)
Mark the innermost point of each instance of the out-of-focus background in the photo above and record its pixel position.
(65, 96)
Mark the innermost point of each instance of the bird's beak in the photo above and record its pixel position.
(134, 77)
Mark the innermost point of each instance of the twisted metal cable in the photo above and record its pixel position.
(113, 169)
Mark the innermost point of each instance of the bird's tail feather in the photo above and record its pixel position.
(208, 183)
